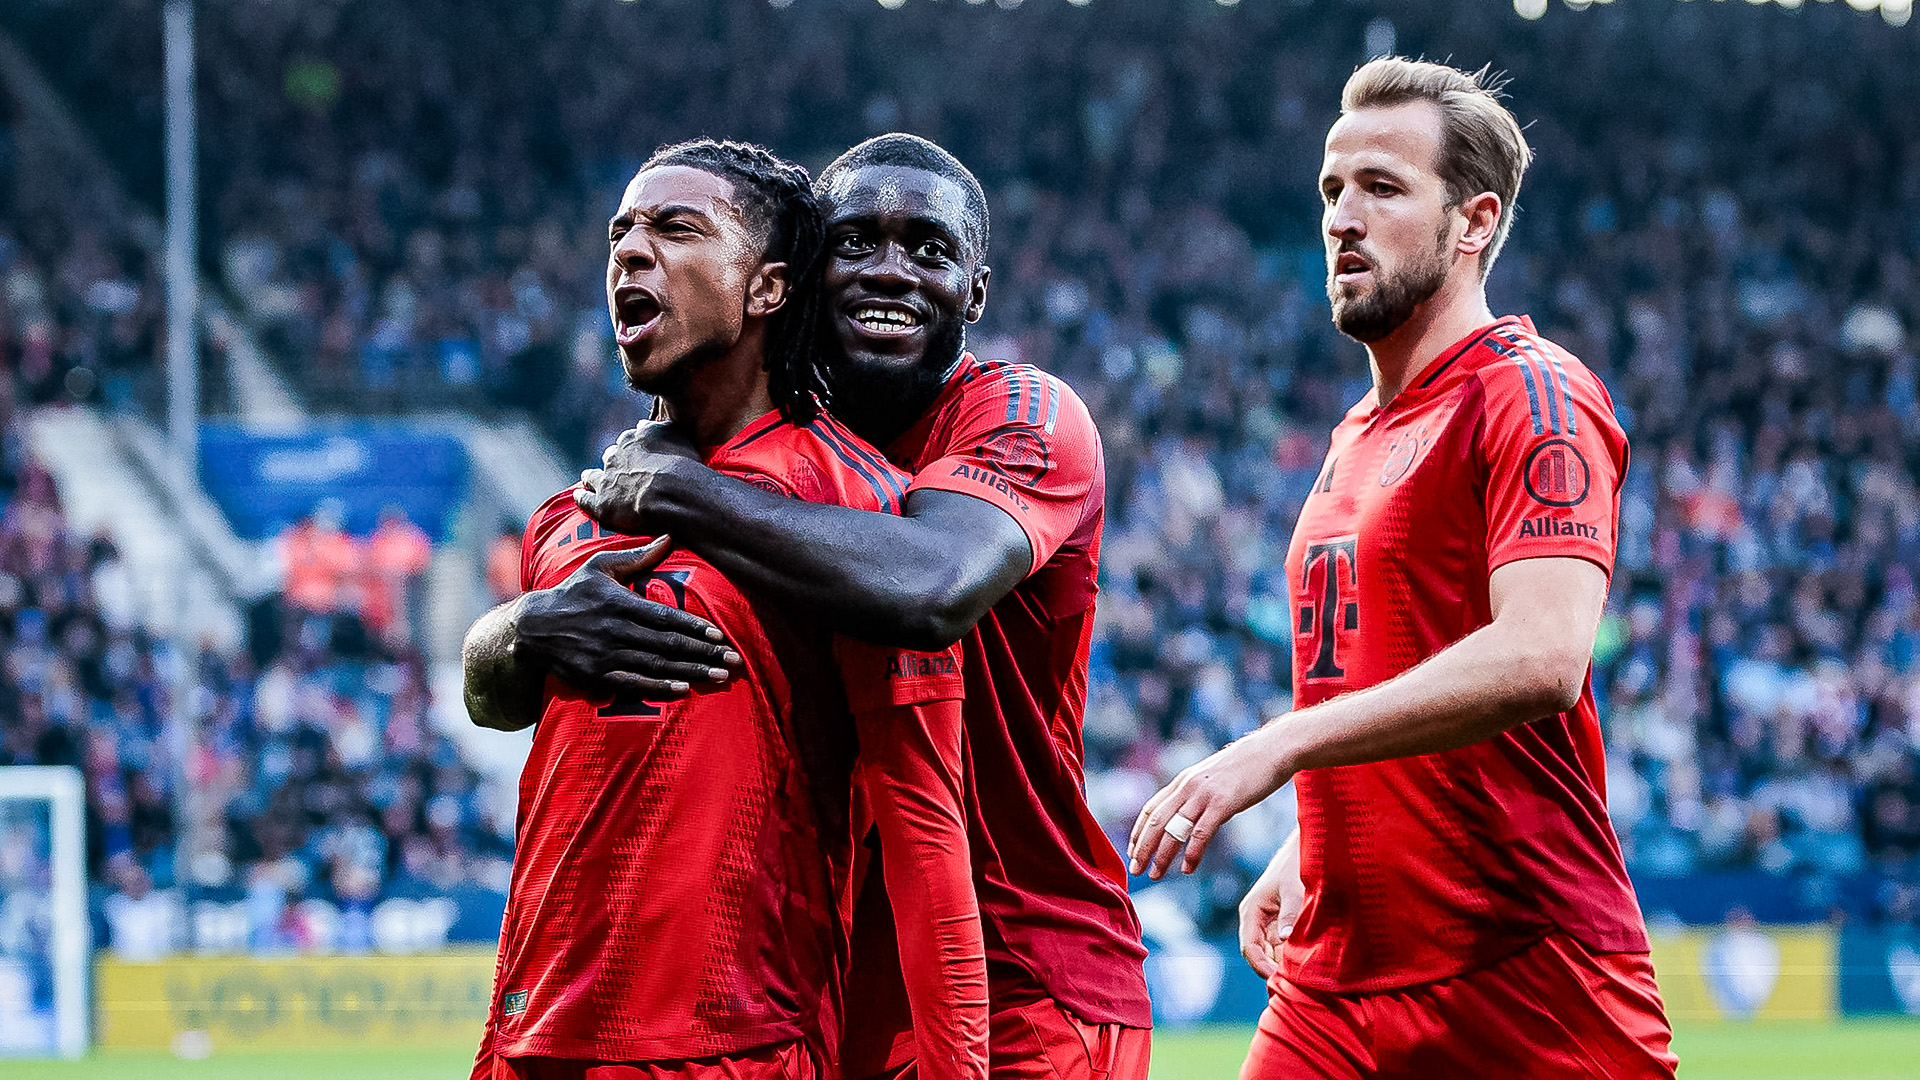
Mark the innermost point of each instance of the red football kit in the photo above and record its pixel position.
(1462, 874)
(683, 868)
(1063, 944)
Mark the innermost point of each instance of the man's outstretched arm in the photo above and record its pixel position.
(918, 580)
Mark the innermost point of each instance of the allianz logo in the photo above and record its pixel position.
(335, 459)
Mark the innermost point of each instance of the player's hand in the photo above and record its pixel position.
(1204, 796)
(594, 632)
(1270, 909)
(620, 494)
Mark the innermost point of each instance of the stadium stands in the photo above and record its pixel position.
(408, 198)
(316, 767)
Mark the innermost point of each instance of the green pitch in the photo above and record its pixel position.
(1852, 1050)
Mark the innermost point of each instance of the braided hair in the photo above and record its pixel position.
(777, 198)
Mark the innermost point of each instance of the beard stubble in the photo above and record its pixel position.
(1373, 316)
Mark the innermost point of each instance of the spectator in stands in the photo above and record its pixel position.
(398, 554)
(322, 562)
(503, 566)
(142, 924)
(1759, 666)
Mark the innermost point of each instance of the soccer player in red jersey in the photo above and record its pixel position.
(1454, 903)
(998, 546)
(682, 869)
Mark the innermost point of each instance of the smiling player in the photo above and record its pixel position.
(682, 868)
(997, 546)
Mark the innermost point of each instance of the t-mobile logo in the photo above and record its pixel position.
(1331, 583)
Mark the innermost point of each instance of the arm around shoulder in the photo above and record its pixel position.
(918, 580)
(972, 555)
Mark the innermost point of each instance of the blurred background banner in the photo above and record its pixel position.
(1879, 972)
(265, 483)
(289, 1003)
(1741, 972)
(1746, 972)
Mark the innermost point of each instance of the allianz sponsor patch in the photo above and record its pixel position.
(915, 665)
(994, 480)
(514, 1004)
(1533, 527)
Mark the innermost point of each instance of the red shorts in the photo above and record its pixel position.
(781, 1061)
(1039, 1040)
(1552, 1010)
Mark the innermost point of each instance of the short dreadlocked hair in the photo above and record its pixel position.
(913, 152)
(776, 197)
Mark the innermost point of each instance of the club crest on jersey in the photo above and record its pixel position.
(1556, 474)
(1017, 453)
(1402, 454)
(766, 483)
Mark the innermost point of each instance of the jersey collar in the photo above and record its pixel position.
(907, 446)
(754, 430)
(1458, 360)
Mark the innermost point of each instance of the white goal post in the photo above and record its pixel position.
(43, 912)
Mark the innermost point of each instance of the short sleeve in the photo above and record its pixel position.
(877, 677)
(1024, 442)
(1553, 456)
(534, 537)
(529, 544)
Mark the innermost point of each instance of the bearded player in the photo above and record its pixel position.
(1466, 910)
(997, 546)
(683, 866)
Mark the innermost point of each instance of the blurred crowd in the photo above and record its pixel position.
(378, 577)
(308, 786)
(1722, 221)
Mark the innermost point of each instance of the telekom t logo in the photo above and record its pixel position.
(1330, 581)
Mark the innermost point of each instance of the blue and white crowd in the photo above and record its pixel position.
(1723, 221)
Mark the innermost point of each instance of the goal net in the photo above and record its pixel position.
(43, 912)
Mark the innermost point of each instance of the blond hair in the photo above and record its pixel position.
(1481, 149)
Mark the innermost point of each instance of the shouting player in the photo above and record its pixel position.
(997, 546)
(1466, 910)
(682, 867)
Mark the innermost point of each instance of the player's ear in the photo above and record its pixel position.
(767, 291)
(1483, 216)
(977, 293)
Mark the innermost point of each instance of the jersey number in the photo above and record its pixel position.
(632, 706)
(1331, 583)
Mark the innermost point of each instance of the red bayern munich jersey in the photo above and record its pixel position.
(1052, 889)
(678, 864)
(1421, 868)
